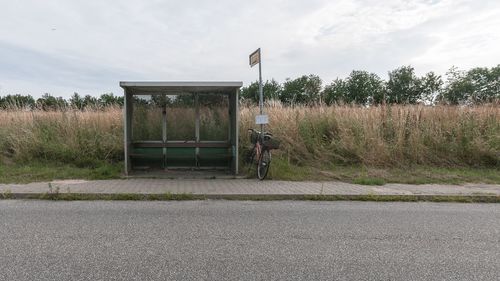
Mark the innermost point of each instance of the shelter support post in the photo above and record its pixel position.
(164, 135)
(197, 127)
(127, 125)
(234, 129)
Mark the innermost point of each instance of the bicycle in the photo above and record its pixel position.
(261, 150)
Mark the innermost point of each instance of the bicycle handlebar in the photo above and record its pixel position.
(258, 132)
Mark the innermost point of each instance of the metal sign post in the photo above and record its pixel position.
(255, 58)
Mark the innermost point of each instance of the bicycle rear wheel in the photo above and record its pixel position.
(263, 165)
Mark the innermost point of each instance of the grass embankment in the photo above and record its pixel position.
(409, 144)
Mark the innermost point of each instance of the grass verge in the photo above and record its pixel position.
(48, 171)
(183, 196)
(280, 169)
(113, 197)
(369, 181)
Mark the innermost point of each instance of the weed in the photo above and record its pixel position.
(7, 194)
(369, 181)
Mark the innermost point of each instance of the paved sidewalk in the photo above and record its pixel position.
(244, 187)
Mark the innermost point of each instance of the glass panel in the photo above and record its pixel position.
(146, 119)
(181, 117)
(214, 116)
(146, 126)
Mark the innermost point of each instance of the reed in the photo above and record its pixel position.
(392, 136)
(385, 136)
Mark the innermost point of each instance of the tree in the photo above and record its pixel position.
(485, 84)
(182, 100)
(302, 90)
(160, 100)
(17, 101)
(110, 100)
(49, 102)
(430, 87)
(76, 101)
(335, 92)
(493, 93)
(250, 93)
(313, 89)
(456, 87)
(271, 91)
(363, 88)
(90, 101)
(476, 86)
(403, 86)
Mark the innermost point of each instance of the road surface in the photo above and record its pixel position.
(234, 240)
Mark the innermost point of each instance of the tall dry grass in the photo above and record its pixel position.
(317, 136)
(83, 138)
(390, 136)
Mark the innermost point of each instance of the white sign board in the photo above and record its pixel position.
(261, 119)
(254, 57)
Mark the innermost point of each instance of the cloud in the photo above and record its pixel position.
(56, 46)
(37, 66)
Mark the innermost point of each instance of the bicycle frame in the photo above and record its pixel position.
(258, 149)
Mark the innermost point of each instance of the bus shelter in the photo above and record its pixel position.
(181, 125)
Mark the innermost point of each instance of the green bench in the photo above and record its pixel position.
(188, 154)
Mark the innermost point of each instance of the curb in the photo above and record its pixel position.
(251, 197)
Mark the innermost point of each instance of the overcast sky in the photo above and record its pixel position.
(89, 46)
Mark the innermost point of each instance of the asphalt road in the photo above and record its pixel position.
(228, 240)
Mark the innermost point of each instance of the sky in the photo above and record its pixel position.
(88, 46)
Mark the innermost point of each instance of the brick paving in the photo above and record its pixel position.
(244, 187)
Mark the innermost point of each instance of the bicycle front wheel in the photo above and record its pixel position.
(251, 159)
(263, 165)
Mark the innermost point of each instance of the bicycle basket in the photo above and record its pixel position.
(271, 143)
